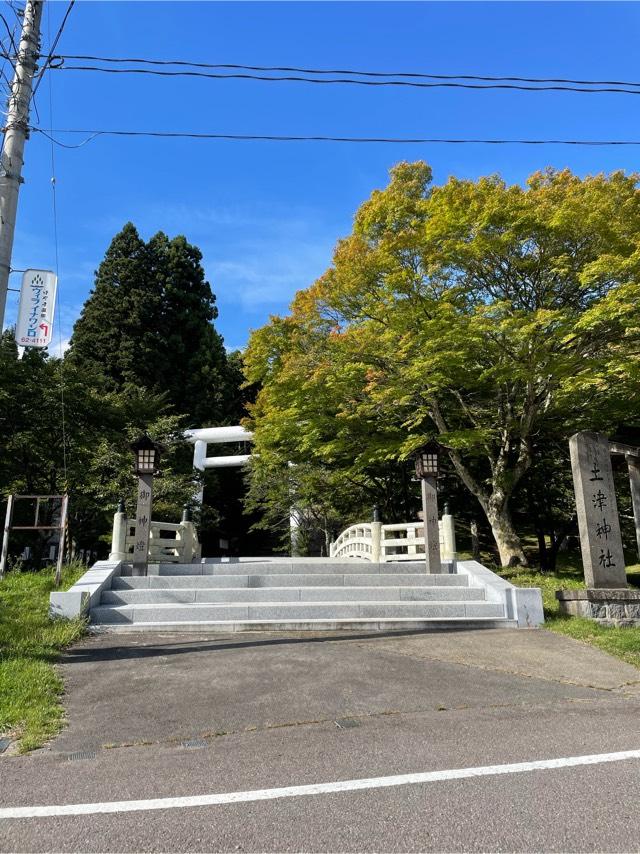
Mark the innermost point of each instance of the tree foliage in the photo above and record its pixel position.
(477, 312)
(149, 323)
(144, 357)
(87, 453)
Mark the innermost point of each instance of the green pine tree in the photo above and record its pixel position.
(148, 323)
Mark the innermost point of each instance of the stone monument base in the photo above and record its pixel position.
(609, 607)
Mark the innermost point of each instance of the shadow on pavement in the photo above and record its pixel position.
(88, 654)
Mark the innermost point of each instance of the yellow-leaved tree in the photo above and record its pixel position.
(474, 312)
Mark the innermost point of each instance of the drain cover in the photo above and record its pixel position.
(346, 723)
(4, 743)
(194, 742)
(81, 754)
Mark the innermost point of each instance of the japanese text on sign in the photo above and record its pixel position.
(34, 327)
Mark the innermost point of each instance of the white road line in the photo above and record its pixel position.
(314, 788)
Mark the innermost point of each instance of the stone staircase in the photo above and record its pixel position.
(297, 596)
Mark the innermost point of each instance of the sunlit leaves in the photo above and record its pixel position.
(474, 310)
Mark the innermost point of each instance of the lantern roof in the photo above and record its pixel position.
(144, 443)
(431, 447)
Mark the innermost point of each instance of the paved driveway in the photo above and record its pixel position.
(199, 717)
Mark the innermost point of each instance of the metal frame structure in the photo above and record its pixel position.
(61, 527)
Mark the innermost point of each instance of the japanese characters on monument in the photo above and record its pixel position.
(431, 530)
(143, 524)
(598, 523)
(34, 327)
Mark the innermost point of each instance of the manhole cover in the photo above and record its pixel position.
(81, 754)
(194, 742)
(347, 723)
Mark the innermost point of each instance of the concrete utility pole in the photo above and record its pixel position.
(15, 135)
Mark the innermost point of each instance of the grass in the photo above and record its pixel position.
(623, 643)
(30, 687)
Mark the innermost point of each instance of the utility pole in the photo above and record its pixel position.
(15, 135)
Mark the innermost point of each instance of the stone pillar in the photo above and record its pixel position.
(119, 535)
(143, 524)
(634, 480)
(185, 552)
(376, 540)
(448, 536)
(598, 523)
(187, 535)
(431, 531)
(376, 535)
(412, 536)
(294, 533)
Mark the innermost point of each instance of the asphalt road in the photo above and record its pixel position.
(264, 711)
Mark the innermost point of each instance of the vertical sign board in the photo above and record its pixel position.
(598, 523)
(431, 530)
(143, 524)
(35, 312)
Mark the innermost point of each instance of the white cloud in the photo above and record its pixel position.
(59, 348)
(264, 272)
(255, 255)
(263, 219)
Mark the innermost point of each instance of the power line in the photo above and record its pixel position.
(6, 57)
(234, 137)
(347, 81)
(295, 69)
(53, 46)
(11, 35)
(54, 210)
(18, 12)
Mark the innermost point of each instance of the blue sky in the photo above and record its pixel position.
(267, 215)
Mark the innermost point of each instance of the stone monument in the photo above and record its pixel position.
(607, 597)
(598, 523)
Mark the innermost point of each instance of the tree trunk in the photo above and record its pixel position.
(475, 540)
(507, 540)
(327, 539)
(542, 547)
(560, 542)
(495, 504)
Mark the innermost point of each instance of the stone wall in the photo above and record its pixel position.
(612, 607)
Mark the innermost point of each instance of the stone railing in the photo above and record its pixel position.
(168, 542)
(384, 543)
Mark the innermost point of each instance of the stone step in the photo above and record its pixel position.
(317, 567)
(292, 612)
(265, 579)
(359, 625)
(289, 594)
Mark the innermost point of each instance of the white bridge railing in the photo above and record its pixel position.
(384, 543)
(168, 542)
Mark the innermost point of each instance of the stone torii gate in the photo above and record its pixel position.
(216, 436)
(205, 436)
